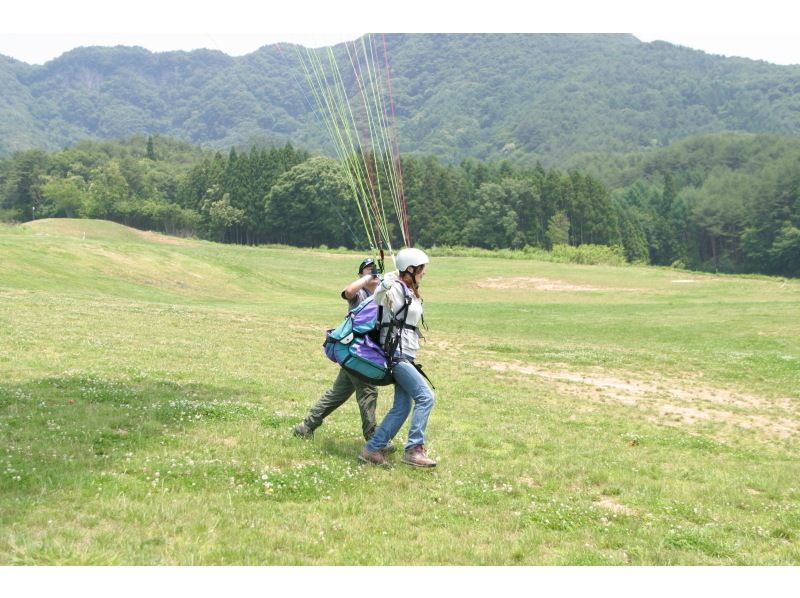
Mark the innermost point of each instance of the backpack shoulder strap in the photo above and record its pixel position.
(394, 319)
(395, 326)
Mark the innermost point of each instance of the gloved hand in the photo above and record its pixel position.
(389, 279)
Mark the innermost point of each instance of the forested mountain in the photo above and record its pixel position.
(523, 97)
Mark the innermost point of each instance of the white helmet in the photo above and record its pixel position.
(410, 256)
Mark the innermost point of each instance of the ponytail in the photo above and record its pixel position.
(410, 281)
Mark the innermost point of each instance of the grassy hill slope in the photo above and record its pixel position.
(585, 415)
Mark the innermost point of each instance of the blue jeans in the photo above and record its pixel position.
(409, 385)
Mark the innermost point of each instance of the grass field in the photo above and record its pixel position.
(586, 415)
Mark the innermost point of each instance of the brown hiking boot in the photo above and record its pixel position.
(389, 449)
(373, 457)
(417, 457)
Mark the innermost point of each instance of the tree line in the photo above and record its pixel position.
(724, 202)
(286, 195)
(705, 204)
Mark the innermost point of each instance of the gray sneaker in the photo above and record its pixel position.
(417, 457)
(301, 430)
(373, 457)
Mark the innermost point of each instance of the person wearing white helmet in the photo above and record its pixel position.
(399, 291)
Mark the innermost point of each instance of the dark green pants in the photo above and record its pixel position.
(343, 387)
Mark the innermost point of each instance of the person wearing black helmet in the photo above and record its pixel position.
(346, 384)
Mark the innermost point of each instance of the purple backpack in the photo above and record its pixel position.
(355, 343)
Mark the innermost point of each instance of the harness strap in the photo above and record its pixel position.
(418, 367)
(397, 324)
(394, 338)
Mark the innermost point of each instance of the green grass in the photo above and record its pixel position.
(586, 415)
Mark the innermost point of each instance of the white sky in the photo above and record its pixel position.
(36, 31)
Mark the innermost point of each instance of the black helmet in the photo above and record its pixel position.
(366, 264)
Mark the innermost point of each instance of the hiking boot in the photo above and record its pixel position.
(389, 449)
(301, 430)
(373, 457)
(417, 457)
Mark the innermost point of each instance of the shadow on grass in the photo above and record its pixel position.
(61, 430)
(347, 450)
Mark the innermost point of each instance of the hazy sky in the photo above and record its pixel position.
(39, 30)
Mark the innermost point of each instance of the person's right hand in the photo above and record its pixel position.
(389, 279)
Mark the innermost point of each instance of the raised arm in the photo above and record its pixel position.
(354, 287)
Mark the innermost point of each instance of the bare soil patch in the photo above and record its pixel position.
(613, 505)
(537, 284)
(670, 402)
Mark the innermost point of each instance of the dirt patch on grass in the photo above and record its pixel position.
(610, 504)
(670, 402)
(530, 482)
(537, 284)
(781, 427)
(693, 280)
(443, 347)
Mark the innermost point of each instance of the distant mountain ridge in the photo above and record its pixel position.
(525, 97)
